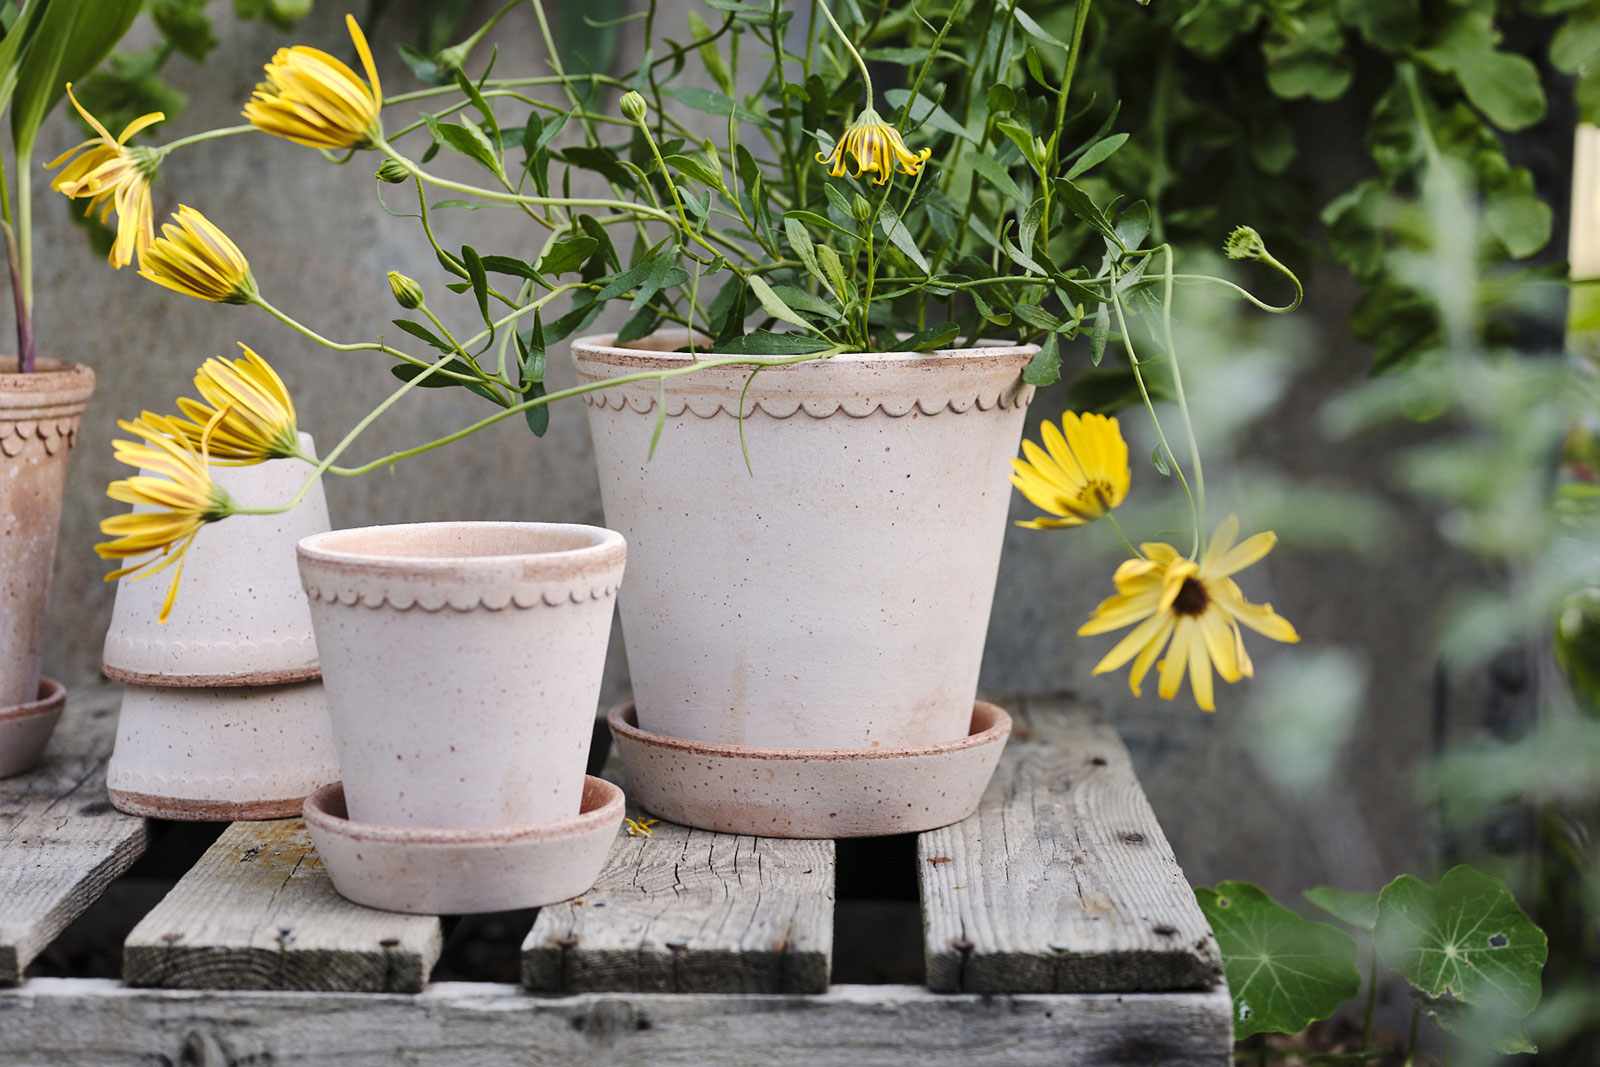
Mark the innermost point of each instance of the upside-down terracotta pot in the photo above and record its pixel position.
(241, 617)
(835, 593)
(39, 415)
(463, 664)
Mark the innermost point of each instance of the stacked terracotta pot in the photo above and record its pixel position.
(224, 716)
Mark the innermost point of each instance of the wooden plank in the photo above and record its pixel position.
(61, 842)
(259, 912)
(90, 1023)
(690, 911)
(1062, 882)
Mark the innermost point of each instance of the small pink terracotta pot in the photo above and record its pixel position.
(819, 792)
(39, 415)
(463, 664)
(25, 728)
(458, 872)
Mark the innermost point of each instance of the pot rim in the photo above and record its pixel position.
(600, 549)
(651, 349)
(52, 698)
(602, 802)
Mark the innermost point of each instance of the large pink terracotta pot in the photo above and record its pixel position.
(835, 593)
(39, 415)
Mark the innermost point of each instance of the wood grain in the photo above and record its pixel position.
(61, 842)
(690, 911)
(1062, 882)
(259, 912)
(89, 1023)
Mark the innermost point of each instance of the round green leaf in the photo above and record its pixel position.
(1354, 909)
(1466, 936)
(1284, 972)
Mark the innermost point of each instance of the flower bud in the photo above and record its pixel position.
(1245, 243)
(407, 293)
(392, 172)
(633, 106)
(449, 60)
(862, 209)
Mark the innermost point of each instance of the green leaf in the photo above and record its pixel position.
(804, 250)
(1306, 57)
(1099, 334)
(762, 343)
(1036, 31)
(714, 103)
(696, 169)
(1391, 25)
(1505, 87)
(931, 338)
(1353, 909)
(1515, 214)
(422, 333)
(926, 112)
(69, 41)
(1467, 937)
(901, 238)
(1158, 460)
(567, 255)
(184, 23)
(773, 304)
(1096, 154)
(640, 325)
(833, 267)
(996, 175)
(1039, 318)
(1045, 366)
(479, 279)
(1078, 202)
(1284, 972)
(466, 138)
(710, 58)
(1501, 1035)
(801, 300)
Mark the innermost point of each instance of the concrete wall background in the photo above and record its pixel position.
(320, 245)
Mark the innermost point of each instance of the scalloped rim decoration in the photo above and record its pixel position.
(373, 595)
(859, 385)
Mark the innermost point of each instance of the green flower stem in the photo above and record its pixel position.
(672, 186)
(359, 346)
(1199, 500)
(1275, 309)
(1411, 1040)
(460, 351)
(206, 135)
(1161, 436)
(851, 48)
(578, 390)
(1372, 1001)
(1115, 525)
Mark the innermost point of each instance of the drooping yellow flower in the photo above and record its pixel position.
(316, 100)
(877, 147)
(178, 498)
(257, 420)
(1197, 606)
(192, 256)
(1081, 473)
(115, 177)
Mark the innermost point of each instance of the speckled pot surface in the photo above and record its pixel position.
(39, 416)
(240, 617)
(836, 594)
(785, 792)
(25, 728)
(220, 754)
(457, 872)
(463, 664)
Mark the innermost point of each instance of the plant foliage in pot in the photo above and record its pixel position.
(792, 250)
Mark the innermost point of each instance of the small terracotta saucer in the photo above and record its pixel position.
(460, 872)
(25, 728)
(810, 792)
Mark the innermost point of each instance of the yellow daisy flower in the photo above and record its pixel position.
(257, 414)
(1197, 606)
(314, 99)
(877, 147)
(179, 498)
(114, 177)
(1081, 473)
(192, 256)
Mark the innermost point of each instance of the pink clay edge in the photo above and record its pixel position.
(603, 802)
(52, 697)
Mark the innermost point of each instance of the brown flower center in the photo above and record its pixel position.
(1192, 598)
(1096, 493)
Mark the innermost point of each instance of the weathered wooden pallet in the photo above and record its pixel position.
(1057, 929)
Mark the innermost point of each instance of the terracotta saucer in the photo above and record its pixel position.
(459, 872)
(25, 728)
(810, 792)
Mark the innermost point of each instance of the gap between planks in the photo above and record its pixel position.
(258, 911)
(1062, 882)
(61, 841)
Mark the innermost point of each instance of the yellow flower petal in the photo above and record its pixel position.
(314, 99)
(193, 257)
(112, 176)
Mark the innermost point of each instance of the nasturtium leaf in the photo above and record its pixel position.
(1284, 972)
(1467, 937)
(1500, 1034)
(1306, 57)
(1045, 366)
(1504, 86)
(1516, 215)
(1391, 25)
(1353, 909)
